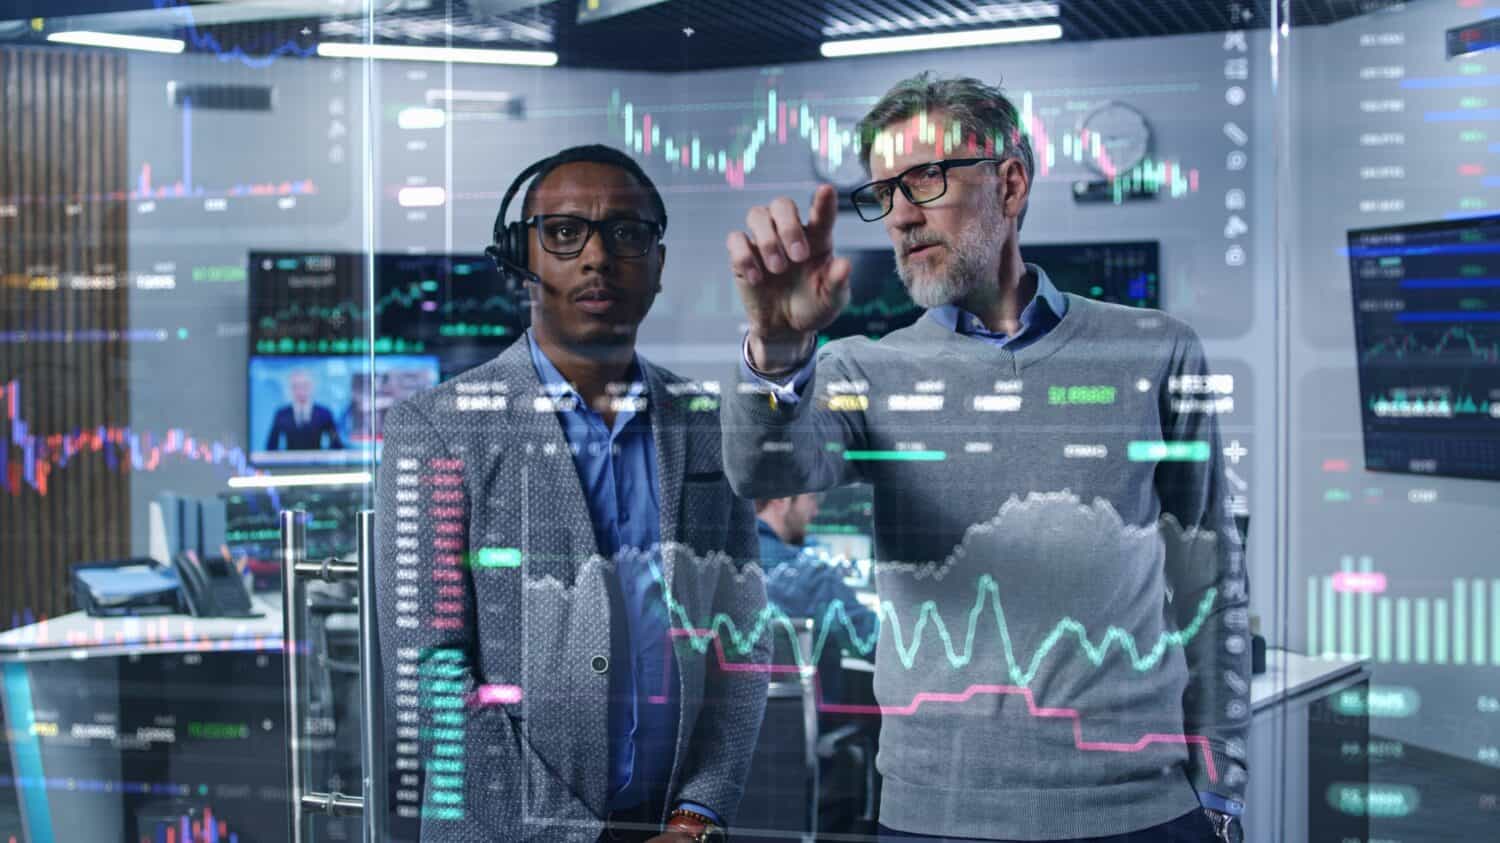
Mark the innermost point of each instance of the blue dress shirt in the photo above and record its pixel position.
(1040, 315)
(617, 468)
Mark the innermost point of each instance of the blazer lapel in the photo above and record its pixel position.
(669, 433)
(566, 623)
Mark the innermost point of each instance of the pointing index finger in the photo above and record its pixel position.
(820, 218)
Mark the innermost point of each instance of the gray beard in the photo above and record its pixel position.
(973, 262)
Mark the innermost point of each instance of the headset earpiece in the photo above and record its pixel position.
(508, 240)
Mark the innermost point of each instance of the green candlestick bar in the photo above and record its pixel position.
(1158, 451)
(897, 456)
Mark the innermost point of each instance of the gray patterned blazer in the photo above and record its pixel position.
(488, 581)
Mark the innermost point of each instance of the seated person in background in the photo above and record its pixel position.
(801, 581)
(303, 422)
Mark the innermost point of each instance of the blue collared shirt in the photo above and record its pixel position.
(1040, 315)
(617, 468)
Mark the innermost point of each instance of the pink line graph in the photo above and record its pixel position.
(1072, 713)
(967, 694)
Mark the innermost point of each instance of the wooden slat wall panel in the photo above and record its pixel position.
(63, 213)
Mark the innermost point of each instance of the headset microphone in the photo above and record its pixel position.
(508, 267)
(508, 240)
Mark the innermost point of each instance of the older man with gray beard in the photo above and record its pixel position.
(1063, 648)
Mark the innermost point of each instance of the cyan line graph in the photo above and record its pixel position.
(878, 307)
(987, 591)
(1457, 338)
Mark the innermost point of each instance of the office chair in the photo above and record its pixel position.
(784, 770)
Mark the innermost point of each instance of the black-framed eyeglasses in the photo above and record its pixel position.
(565, 235)
(921, 184)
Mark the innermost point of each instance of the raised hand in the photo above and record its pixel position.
(787, 275)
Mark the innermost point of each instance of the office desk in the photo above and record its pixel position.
(1308, 714)
(77, 635)
(121, 727)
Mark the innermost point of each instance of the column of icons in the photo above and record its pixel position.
(1236, 72)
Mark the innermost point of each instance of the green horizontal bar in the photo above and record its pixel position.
(897, 456)
(497, 557)
(1159, 451)
(434, 813)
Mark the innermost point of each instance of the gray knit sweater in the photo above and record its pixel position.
(1064, 641)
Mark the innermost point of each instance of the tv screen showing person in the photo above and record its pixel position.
(303, 424)
(328, 410)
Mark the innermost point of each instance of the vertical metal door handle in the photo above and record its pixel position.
(295, 571)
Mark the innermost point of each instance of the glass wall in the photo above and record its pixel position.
(1169, 511)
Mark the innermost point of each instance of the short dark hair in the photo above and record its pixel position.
(598, 153)
(981, 110)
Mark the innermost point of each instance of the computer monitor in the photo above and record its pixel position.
(1123, 273)
(252, 525)
(453, 306)
(1427, 339)
(878, 302)
(328, 410)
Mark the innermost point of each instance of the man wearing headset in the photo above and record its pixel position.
(557, 547)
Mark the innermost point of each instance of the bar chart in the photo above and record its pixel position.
(1350, 616)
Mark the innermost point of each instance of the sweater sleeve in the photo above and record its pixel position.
(776, 449)
(1205, 554)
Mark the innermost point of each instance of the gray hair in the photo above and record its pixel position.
(980, 111)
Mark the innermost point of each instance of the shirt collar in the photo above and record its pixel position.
(556, 385)
(961, 321)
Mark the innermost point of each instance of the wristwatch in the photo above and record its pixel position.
(1226, 826)
(703, 828)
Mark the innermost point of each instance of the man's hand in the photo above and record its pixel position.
(788, 278)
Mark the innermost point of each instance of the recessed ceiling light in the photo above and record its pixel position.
(940, 40)
(85, 38)
(457, 55)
